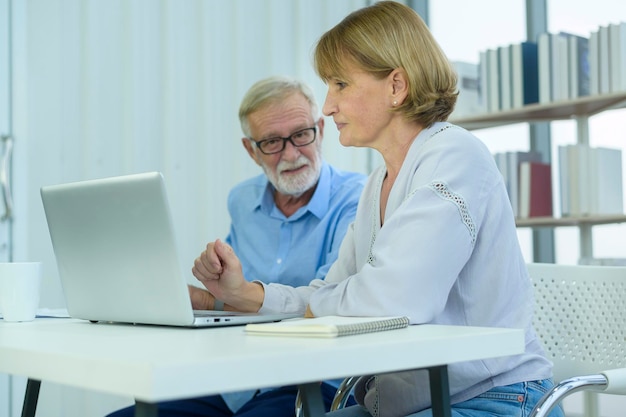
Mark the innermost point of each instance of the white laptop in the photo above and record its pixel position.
(118, 262)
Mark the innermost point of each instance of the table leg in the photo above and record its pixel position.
(143, 409)
(312, 402)
(439, 391)
(30, 398)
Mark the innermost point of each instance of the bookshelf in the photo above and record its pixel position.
(558, 110)
(580, 110)
(571, 221)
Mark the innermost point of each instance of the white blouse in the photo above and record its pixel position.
(448, 253)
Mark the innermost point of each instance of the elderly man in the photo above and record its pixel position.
(286, 224)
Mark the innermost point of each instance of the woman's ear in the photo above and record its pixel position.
(399, 85)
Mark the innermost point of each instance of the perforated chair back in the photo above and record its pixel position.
(580, 316)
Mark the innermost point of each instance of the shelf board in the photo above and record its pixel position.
(571, 221)
(559, 110)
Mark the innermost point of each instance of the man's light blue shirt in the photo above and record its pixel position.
(290, 250)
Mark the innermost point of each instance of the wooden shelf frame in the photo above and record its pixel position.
(571, 221)
(558, 110)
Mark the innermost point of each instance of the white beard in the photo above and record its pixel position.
(294, 185)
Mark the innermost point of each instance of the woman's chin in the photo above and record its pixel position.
(345, 141)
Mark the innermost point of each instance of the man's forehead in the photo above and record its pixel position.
(280, 118)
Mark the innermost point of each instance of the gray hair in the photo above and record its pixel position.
(270, 90)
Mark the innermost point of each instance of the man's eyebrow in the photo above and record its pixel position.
(276, 135)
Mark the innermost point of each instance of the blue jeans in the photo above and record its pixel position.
(515, 400)
(279, 402)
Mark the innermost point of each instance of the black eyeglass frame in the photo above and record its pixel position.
(259, 143)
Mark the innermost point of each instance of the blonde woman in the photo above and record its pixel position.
(434, 237)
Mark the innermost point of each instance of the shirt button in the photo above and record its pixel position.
(279, 261)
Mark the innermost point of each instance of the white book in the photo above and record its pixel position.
(493, 80)
(617, 56)
(564, 62)
(564, 182)
(559, 71)
(578, 66)
(604, 64)
(504, 68)
(544, 68)
(513, 164)
(468, 86)
(580, 189)
(605, 172)
(483, 84)
(594, 63)
(327, 326)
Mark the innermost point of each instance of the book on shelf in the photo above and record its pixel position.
(535, 189)
(327, 326)
(504, 77)
(544, 67)
(590, 180)
(483, 84)
(564, 181)
(551, 67)
(493, 70)
(604, 61)
(514, 159)
(617, 44)
(524, 74)
(605, 170)
(561, 73)
(509, 163)
(594, 63)
(468, 85)
(578, 66)
(579, 187)
(555, 65)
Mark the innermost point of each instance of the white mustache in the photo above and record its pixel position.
(298, 163)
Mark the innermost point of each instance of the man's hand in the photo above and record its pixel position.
(219, 270)
(201, 299)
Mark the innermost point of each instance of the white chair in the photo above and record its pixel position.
(580, 317)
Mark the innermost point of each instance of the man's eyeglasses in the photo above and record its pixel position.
(275, 145)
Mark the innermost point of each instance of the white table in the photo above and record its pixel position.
(154, 364)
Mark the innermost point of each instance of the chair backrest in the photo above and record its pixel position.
(580, 316)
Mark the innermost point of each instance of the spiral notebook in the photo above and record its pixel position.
(327, 326)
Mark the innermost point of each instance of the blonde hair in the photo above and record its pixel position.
(270, 90)
(386, 36)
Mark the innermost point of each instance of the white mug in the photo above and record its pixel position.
(19, 290)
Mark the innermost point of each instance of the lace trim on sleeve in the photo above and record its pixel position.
(444, 192)
(375, 218)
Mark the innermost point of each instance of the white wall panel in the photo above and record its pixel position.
(119, 87)
(114, 87)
